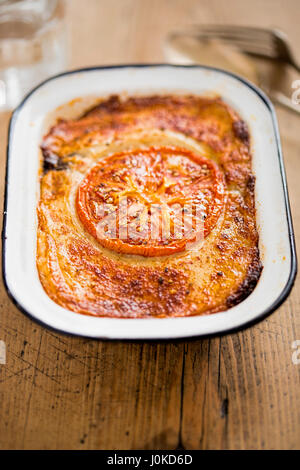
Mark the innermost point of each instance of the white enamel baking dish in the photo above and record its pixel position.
(273, 212)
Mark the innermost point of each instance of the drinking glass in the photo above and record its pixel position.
(33, 46)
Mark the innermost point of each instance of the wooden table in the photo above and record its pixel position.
(239, 391)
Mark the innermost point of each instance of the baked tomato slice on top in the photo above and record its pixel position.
(151, 202)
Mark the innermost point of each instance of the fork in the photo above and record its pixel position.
(271, 44)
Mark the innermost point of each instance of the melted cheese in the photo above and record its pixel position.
(84, 275)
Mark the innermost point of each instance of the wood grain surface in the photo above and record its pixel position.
(239, 391)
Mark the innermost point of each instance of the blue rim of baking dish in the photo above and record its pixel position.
(293, 271)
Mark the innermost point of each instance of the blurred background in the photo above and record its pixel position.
(39, 38)
(240, 391)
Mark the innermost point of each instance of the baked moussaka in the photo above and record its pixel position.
(147, 209)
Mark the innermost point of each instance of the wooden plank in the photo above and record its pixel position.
(241, 391)
(59, 392)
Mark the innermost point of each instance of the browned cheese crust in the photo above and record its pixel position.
(81, 275)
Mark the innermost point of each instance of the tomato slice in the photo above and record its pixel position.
(151, 202)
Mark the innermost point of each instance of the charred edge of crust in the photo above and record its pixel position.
(51, 161)
(114, 103)
(241, 131)
(111, 104)
(251, 183)
(248, 285)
